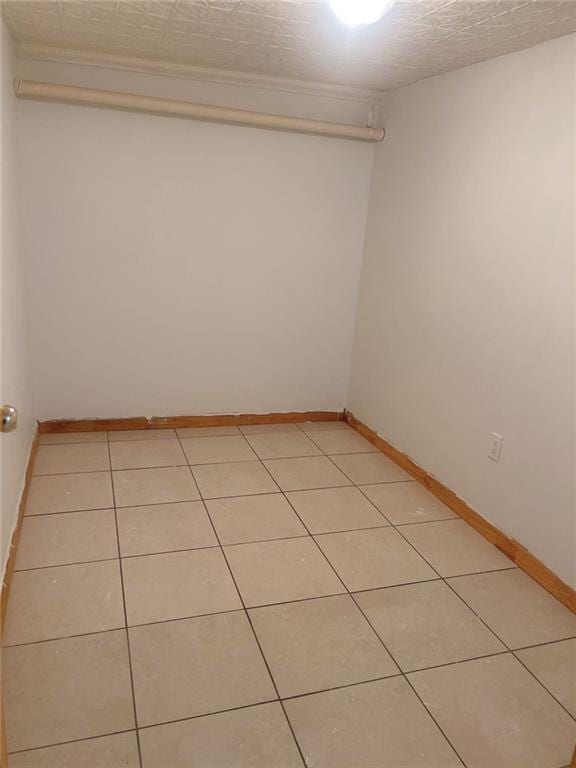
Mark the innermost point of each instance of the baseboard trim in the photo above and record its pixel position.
(159, 422)
(510, 547)
(7, 580)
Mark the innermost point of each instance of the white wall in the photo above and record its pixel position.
(15, 376)
(464, 322)
(185, 268)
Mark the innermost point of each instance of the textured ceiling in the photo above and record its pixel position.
(297, 39)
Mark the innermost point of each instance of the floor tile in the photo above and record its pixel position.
(516, 608)
(495, 714)
(68, 493)
(335, 509)
(281, 571)
(164, 528)
(165, 485)
(267, 429)
(324, 426)
(454, 548)
(212, 450)
(254, 518)
(71, 537)
(177, 585)
(342, 441)
(555, 666)
(64, 601)
(378, 557)
(66, 689)
(373, 724)
(283, 445)
(119, 435)
(61, 459)
(59, 438)
(365, 468)
(317, 644)
(144, 454)
(207, 431)
(254, 737)
(306, 473)
(240, 479)
(407, 503)
(424, 625)
(117, 751)
(197, 666)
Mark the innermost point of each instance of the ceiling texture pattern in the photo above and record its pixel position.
(296, 39)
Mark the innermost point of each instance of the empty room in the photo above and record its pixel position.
(288, 383)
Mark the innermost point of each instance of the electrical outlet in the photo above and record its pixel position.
(495, 448)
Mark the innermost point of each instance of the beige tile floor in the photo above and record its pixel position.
(270, 597)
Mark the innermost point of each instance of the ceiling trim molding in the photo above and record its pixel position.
(36, 52)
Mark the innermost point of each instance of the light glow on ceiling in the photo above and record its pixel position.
(356, 12)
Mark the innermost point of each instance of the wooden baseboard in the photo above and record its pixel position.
(7, 581)
(510, 547)
(3, 746)
(17, 530)
(159, 422)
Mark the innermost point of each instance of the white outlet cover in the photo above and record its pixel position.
(495, 449)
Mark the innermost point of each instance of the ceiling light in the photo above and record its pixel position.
(355, 12)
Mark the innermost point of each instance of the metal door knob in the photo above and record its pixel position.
(9, 418)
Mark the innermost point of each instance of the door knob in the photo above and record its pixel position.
(9, 416)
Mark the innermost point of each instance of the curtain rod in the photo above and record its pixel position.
(29, 89)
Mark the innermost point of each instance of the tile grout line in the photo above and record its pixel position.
(435, 721)
(116, 629)
(447, 583)
(249, 619)
(362, 612)
(272, 605)
(66, 565)
(67, 511)
(73, 442)
(444, 580)
(156, 430)
(510, 650)
(374, 631)
(514, 653)
(208, 714)
(241, 544)
(440, 577)
(402, 674)
(130, 669)
(405, 674)
(486, 625)
(357, 486)
(201, 498)
(72, 741)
